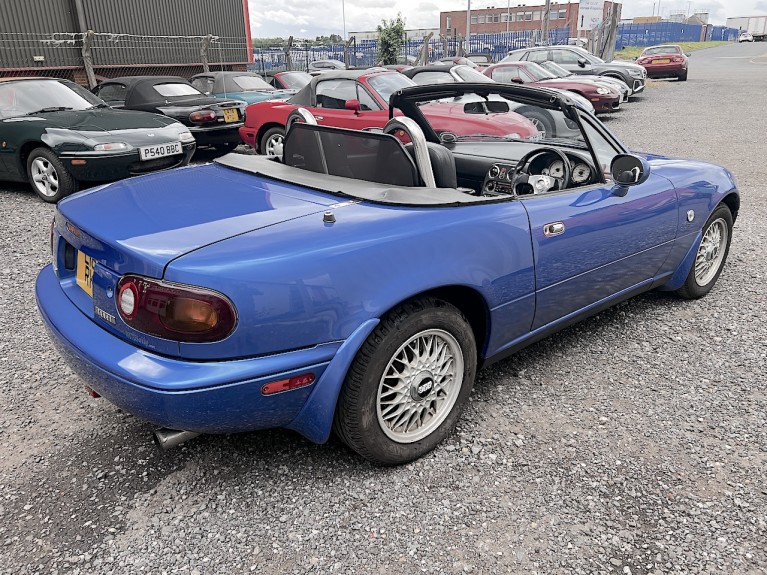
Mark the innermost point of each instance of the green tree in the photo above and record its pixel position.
(391, 35)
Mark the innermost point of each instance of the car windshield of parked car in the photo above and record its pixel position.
(538, 73)
(295, 80)
(386, 84)
(251, 83)
(661, 50)
(555, 69)
(470, 75)
(171, 89)
(35, 96)
(477, 117)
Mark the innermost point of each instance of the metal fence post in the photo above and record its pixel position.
(204, 47)
(88, 58)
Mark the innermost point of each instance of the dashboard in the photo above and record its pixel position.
(500, 177)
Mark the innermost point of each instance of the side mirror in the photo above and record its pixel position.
(687, 54)
(629, 170)
(582, 62)
(353, 105)
(517, 81)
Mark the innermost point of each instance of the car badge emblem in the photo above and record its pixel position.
(73, 230)
(690, 215)
(150, 135)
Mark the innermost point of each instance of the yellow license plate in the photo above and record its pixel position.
(231, 115)
(85, 269)
(661, 61)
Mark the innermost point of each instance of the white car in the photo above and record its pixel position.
(745, 37)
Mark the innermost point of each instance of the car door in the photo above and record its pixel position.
(595, 241)
(330, 110)
(609, 243)
(568, 59)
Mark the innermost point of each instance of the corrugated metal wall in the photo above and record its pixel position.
(38, 28)
(30, 28)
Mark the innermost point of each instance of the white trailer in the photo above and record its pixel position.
(755, 25)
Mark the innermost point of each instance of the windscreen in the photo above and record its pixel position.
(295, 80)
(661, 50)
(555, 69)
(387, 84)
(482, 117)
(250, 83)
(32, 96)
(537, 72)
(369, 156)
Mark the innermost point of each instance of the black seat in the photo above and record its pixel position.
(442, 164)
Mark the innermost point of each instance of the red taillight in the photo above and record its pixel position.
(677, 59)
(173, 311)
(203, 116)
(288, 384)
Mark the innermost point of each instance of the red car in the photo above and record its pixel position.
(667, 61)
(289, 80)
(359, 99)
(603, 98)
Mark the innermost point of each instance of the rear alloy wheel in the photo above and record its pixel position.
(272, 142)
(408, 384)
(48, 176)
(711, 255)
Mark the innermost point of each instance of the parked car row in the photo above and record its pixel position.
(44, 143)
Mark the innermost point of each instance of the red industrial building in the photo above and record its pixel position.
(512, 19)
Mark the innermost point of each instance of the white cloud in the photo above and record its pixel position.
(308, 18)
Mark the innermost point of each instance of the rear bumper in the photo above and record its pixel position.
(665, 70)
(228, 134)
(99, 167)
(206, 397)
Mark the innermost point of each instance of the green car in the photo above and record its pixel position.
(55, 134)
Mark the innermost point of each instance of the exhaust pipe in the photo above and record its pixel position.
(170, 438)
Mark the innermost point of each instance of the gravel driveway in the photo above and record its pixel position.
(635, 442)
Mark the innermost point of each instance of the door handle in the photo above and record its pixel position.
(318, 118)
(553, 229)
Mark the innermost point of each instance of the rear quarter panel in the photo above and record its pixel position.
(305, 282)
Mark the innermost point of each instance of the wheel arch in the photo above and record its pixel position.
(24, 151)
(732, 201)
(263, 129)
(315, 420)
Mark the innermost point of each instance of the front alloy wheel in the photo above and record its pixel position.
(711, 254)
(48, 176)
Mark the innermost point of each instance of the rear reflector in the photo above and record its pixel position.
(288, 384)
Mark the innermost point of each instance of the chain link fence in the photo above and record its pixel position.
(89, 57)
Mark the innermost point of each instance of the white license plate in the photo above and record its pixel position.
(159, 151)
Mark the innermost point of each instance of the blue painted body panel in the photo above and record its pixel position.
(308, 293)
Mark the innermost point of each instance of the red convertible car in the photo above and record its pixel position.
(667, 61)
(359, 99)
(603, 99)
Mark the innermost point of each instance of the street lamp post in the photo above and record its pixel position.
(343, 15)
(468, 27)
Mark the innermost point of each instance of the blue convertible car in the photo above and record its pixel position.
(357, 283)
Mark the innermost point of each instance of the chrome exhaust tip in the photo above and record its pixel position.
(170, 438)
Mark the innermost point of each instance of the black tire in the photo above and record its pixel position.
(543, 122)
(357, 419)
(682, 77)
(56, 181)
(226, 148)
(693, 287)
(270, 134)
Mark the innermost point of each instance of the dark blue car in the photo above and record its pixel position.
(357, 284)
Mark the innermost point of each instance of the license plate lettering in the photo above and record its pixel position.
(159, 151)
(661, 61)
(231, 115)
(86, 267)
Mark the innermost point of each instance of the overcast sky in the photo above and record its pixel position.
(310, 18)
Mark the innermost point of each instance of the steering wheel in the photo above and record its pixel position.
(540, 183)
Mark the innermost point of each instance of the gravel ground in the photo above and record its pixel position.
(634, 442)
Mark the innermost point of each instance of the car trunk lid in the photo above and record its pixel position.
(173, 213)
